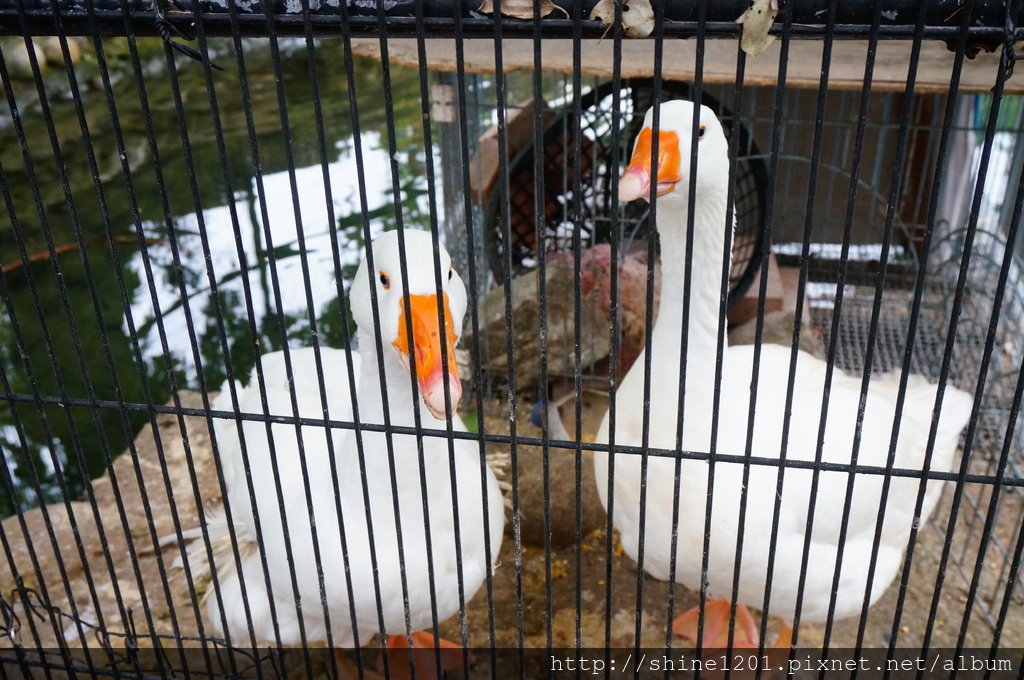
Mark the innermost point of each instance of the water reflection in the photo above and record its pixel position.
(58, 339)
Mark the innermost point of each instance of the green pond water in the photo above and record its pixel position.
(54, 343)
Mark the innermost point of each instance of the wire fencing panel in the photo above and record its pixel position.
(604, 361)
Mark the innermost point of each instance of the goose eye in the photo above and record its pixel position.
(385, 281)
(700, 134)
(450, 272)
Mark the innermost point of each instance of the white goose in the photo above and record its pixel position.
(672, 179)
(473, 516)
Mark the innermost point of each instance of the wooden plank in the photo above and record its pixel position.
(804, 69)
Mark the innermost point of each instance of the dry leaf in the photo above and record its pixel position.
(519, 9)
(637, 16)
(757, 20)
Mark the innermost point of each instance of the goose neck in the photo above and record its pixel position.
(705, 266)
(374, 387)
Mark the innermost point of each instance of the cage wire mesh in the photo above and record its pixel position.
(177, 208)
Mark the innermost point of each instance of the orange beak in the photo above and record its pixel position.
(427, 344)
(636, 180)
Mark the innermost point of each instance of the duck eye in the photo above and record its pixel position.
(385, 281)
(450, 272)
(700, 134)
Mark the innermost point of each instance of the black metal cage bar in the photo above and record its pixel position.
(241, 241)
(853, 19)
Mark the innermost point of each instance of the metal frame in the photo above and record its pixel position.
(979, 22)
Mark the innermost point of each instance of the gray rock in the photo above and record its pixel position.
(562, 475)
(16, 57)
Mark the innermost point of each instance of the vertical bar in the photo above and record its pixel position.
(503, 188)
(474, 296)
(18, 579)
(197, 203)
(577, 222)
(289, 372)
(540, 222)
(193, 339)
(659, 37)
(613, 310)
(96, 307)
(691, 206)
(1015, 572)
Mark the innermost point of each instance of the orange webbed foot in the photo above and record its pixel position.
(716, 626)
(428, 652)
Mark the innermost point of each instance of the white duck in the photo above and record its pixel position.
(674, 145)
(473, 515)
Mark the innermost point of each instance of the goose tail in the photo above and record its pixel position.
(920, 402)
(220, 548)
(956, 411)
(957, 406)
(223, 402)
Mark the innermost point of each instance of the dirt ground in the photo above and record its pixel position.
(160, 600)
